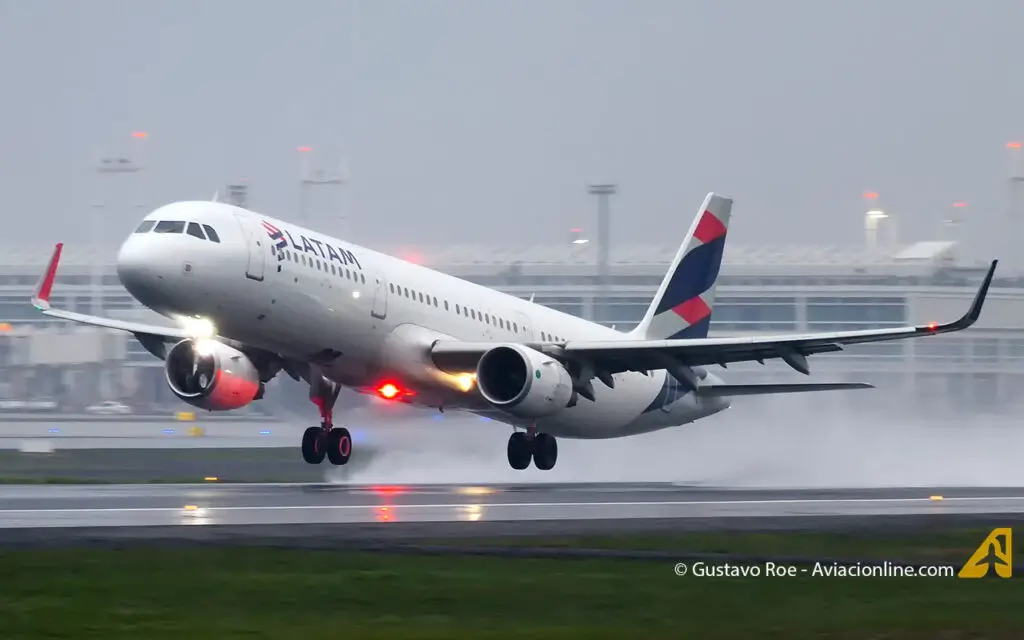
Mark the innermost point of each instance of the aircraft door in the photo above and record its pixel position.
(525, 327)
(380, 298)
(255, 246)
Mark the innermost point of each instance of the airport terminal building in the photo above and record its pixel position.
(761, 290)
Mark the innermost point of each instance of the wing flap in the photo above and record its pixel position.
(729, 390)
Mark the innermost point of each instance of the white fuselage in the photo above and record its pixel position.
(301, 294)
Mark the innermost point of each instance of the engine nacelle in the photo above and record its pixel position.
(211, 375)
(523, 381)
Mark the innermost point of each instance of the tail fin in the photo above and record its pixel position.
(682, 307)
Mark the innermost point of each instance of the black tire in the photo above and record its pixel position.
(545, 451)
(520, 450)
(314, 445)
(339, 445)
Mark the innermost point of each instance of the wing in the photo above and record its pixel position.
(677, 356)
(145, 332)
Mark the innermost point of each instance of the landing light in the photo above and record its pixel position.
(197, 327)
(205, 347)
(355, 294)
(932, 326)
(388, 390)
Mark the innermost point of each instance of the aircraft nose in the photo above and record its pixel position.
(133, 270)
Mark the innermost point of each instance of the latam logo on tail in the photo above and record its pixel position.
(283, 240)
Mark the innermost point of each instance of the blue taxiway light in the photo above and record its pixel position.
(168, 432)
(265, 432)
(53, 430)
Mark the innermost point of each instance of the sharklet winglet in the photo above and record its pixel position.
(41, 295)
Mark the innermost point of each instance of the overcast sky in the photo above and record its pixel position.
(483, 120)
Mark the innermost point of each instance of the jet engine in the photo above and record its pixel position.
(523, 381)
(211, 375)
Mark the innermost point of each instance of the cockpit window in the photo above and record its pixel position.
(169, 226)
(195, 230)
(211, 234)
(145, 226)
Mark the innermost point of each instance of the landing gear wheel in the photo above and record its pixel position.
(314, 442)
(339, 445)
(520, 450)
(545, 451)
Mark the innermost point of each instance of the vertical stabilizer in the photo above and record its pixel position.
(684, 302)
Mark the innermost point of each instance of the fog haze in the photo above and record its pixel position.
(490, 117)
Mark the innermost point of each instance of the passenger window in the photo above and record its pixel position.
(406, 289)
(421, 297)
(472, 313)
(445, 305)
(210, 233)
(362, 278)
(146, 226)
(333, 272)
(501, 323)
(487, 318)
(169, 226)
(195, 230)
(515, 326)
(392, 287)
(458, 311)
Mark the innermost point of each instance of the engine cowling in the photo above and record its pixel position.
(523, 381)
(211, 375)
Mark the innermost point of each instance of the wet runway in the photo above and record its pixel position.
(291, 504)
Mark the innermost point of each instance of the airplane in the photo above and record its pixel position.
(252, 296)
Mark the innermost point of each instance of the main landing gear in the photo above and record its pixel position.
(327, 440)
(542, 448)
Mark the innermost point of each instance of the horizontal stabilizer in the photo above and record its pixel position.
(723, 390)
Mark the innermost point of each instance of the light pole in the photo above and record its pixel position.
(603, 192)
(1015, 204)
(872, 219)
(238, 194)
(311, 177)
(951, 223)
(106, 165)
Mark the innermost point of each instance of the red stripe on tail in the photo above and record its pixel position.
(709, 228)
(693, 310)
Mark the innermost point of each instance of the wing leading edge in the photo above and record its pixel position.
(613, 356)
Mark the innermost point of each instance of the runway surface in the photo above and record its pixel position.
(279, 504)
